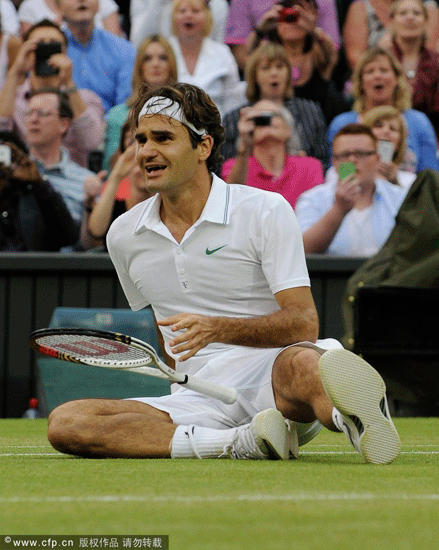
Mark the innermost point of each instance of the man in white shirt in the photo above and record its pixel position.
(224, 270)
(353, 215)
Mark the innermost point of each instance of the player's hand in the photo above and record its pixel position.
(198, 332)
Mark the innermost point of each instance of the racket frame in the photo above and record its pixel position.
(164, 371)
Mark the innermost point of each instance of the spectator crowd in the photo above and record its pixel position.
(334, 104)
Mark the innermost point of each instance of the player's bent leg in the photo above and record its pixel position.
(132, 429)
(298, 390)
(341, 385)
(110, 428)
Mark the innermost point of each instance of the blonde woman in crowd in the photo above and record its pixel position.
(420, 63)
(368, 25)
(201, 61)
(380, 80)
(154, 17)
(388, 126)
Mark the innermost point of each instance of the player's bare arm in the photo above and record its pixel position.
(295, 321)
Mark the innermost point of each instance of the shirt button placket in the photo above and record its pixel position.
(181, 269)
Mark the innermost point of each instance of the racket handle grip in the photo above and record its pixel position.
(224, 394)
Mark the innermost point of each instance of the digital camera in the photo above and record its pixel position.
(263, 119)
(289, 13)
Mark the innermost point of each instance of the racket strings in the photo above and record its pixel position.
(93, 347)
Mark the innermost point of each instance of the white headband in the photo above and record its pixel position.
(165, 106)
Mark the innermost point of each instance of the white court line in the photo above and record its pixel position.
(308, 446)
(26, 446)
(29, 454)
(354, 452)
(301, 453)
(196, 499)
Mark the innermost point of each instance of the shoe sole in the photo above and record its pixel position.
(356, 389)
(282, 442)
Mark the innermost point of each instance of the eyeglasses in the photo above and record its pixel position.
(360, 155)
(40, 112)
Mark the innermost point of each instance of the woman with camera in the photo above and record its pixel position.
(267, 76)
(243, 18)
(312, 53)
(389, 127)
(267, 155)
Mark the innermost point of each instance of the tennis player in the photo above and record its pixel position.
(224, 270)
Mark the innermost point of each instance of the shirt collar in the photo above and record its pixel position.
(61, 165)
(262, 172)
(71, 39)
(216, 209)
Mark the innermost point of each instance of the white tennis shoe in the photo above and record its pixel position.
(358, 394)
(269, 436)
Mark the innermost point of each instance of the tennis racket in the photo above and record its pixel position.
(113, 350)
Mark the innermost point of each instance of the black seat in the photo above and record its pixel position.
(396, 329)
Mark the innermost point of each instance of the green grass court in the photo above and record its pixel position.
(327, 499)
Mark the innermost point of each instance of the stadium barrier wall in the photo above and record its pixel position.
(32, 285)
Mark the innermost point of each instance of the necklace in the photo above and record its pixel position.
(296, 73)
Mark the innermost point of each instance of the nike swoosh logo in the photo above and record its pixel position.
(209, 252)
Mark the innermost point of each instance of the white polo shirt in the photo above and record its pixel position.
(245, 247)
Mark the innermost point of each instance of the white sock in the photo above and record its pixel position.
(196, 441)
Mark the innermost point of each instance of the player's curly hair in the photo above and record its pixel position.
(198, 109)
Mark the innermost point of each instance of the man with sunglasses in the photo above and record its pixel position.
(353, 215)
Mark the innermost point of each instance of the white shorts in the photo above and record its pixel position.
(252, 380)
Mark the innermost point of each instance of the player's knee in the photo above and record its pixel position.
(64, 429)
(306, 361)
(297, 372)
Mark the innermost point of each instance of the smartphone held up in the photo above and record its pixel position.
(385, 150)
(346, 169)
(43, 52)
(5, 155)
